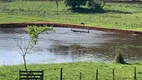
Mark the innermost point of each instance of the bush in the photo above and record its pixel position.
(75, 3)
(120, 59)
(97, 5)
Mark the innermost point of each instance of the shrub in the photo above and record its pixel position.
(119, 57)
(75, 3)
(94, 4)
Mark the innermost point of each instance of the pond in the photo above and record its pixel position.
(63, 45)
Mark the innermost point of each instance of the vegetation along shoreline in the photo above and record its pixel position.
(20, 25)
(123, 16)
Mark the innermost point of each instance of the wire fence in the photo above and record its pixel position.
(98, 77)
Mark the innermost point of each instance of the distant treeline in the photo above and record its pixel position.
(26, 0)
(125, 1)
(41, 0)
(129, 1)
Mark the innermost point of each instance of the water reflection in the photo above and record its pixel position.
(67, 46)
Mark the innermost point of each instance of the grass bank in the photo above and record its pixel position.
(116, 15)
(71, 71)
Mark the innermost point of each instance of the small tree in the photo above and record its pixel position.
(119, 57)
(33, 32)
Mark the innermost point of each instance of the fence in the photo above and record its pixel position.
(97, 75)
(31, 75)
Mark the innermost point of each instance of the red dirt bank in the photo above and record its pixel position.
(20, 25)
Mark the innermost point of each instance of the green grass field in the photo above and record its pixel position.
(119, 16)
(71, 71)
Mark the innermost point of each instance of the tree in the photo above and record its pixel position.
(75, 3)
(33, 32)
(94, 4)
(119, 57)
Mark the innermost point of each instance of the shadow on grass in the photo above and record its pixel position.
(118, 11)
(86, 10)
(92, 11)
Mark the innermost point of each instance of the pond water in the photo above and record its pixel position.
(63, 45)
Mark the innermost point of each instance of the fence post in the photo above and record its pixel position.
(135, 73)
(97, 74)
(80, 75)
(61, 74)
(42, 75)
(113, 74)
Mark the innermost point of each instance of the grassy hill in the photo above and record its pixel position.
(116, 15)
